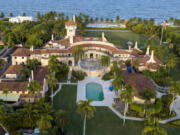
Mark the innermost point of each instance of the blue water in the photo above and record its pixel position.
(157, 9)
(94, 91)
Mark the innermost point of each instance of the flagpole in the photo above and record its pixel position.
(162, 35)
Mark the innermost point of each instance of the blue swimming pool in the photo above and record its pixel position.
(94, 91)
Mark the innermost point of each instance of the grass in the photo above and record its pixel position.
(122, 37)
(105, 122)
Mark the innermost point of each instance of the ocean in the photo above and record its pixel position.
(157, 9)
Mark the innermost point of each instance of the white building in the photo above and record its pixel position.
(20, 19)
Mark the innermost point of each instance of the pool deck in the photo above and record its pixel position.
(108, 95)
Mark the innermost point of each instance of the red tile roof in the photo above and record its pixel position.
(70, 23)
(138, 81)
(14, 86)
(40, 73)
(13, 69)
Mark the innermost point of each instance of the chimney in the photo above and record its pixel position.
(147, 51)
(52, 37)
(151, 60)
(32, 48)
(71, 39)
(74, 17)
(136, 46)
(32, 75)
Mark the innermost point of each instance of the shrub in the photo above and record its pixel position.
(78, 75)
(62, 73)
(108, 76)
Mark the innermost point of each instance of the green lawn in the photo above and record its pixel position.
(105, 121)
(121, 38)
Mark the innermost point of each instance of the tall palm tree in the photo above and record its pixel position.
(85, 110)
(61, 119)
(116, 69)
(34, 87)
(152, 128)
(127, 97)
(117, 84)
(78, 53)
(105, 61)
(52, 82)
(171, 60)
(6, 92)
(44, 123)
(147, 95)
(174, 89)
(53, 64)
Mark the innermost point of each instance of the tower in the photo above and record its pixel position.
(71, 27)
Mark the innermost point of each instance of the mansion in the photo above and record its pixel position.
(93, 47)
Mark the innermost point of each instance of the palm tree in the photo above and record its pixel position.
(171, 60)
(53, 64)
(105, 61)
(117, 84)
(78, 53)
(6, 92)
(52, 82)
(61, 119)
(44, 123)
(116, 69)
(85, 110)
(127, 97)
(152, 128)
(174, 89)
(2, 63)
(147, 95)
(34, 87)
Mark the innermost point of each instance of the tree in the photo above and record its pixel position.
(117, 19)
(78, 53)
(2, 15)
(127, 97)
(117, 84)
(52, 82)
(53, 64)
(44, 123)
(61, 119)
(2, 63)
(152, 128)
(147, 95)
(105, 61)
(32, 64)
(6, 92)
(174, 89)
(25, 73)
(11, 14)
(171, 60)
(96, 19)
(38, 17)
(85, 110)
(34, 87)
(24, 14)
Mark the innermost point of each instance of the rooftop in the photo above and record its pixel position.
(138, 81)
(70, 23)
(14, 86)
(13, 69)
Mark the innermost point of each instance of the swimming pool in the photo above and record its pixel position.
(94, 91)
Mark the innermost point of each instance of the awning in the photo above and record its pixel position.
(10, 97)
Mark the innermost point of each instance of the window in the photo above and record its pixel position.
(22, 57)
(15, 57)
(16, 63)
